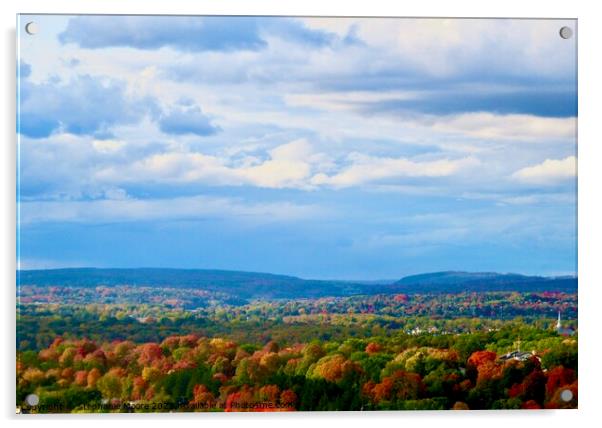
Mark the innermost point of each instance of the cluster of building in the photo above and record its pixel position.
(524, 356)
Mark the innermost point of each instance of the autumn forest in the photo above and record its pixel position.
(125, 348)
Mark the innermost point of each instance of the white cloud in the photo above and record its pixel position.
(314, 94)
(294, 151)
(451, 46)
(479, 125)
(346, 101)
(115, 194)
(292, 165)
(502, 199)
(107, 146)
(510, 126)
(275, 174)
(555, 198)
(435, 236)
(193, 207)
(338, 25)
(289, 165)
(366, 169)
(550, 171)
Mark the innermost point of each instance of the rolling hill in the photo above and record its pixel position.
(454, 281)
(254, 285)
(246, 285)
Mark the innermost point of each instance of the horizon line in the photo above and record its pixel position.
(564, 275)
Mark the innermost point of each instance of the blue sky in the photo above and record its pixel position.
(318, 147)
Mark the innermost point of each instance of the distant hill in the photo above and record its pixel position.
(453, 281)
(254, 285)
(246, 285)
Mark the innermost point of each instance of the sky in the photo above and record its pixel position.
(349, 148)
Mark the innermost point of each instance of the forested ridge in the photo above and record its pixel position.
(253, 285)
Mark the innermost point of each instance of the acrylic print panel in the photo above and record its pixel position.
(293, 213)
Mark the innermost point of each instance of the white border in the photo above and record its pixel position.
(590, 279)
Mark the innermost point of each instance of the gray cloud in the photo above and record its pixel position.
(187, 33)
(84, 105)
(186, 118)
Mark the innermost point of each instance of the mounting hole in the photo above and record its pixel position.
(32, 399)
(566, 395)
(31, 28)
(566, 32)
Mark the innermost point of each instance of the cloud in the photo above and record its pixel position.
(545, 102)
(107, 146)
(186, 118)
(434, 236)
(293, 165)
(187, 33)
(456, 66)
(539, 199)
(524, 198)
(480, 124)
(90, 105)
(445, 56)
(84, 105)
(429, 110)
(365, 169)
(287, 166)
(550, 171)
(120, 209)
(511, 126)
(297, 150)
(63, 165)
(444, 48)
(153, 32)
(295, 31)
